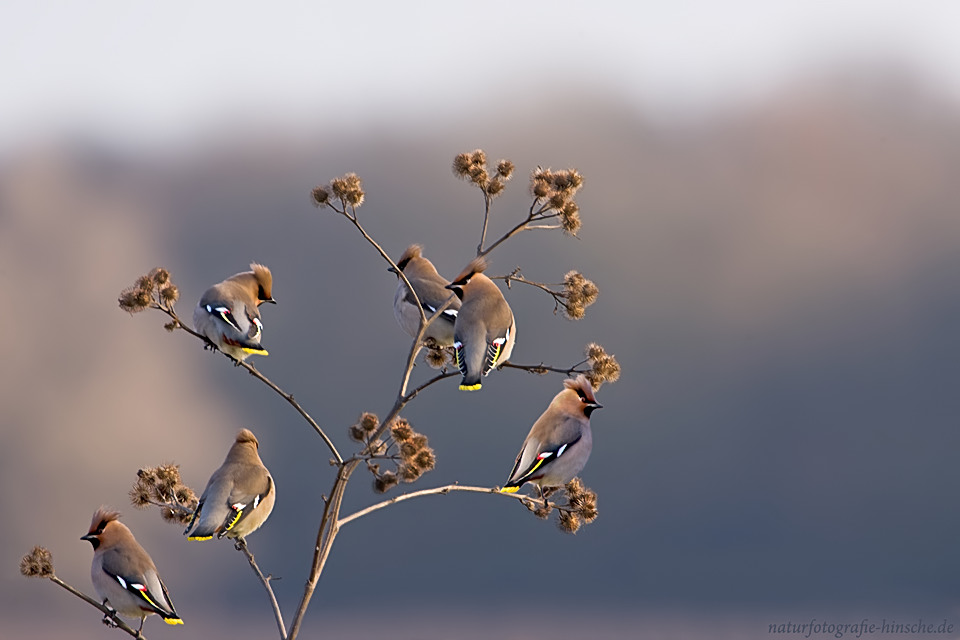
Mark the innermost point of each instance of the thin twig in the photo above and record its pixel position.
(256, 374)
(541, 368)
(486, 218)
(242, 546)
(107, 612)
(436, 491)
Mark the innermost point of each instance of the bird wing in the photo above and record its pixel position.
(232, 321)
(536, 456)
(246, 496)
(145, 586)
(495, 342)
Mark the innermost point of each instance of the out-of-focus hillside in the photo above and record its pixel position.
(779, 285)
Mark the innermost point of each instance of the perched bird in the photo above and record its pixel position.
(228, 313)
(123, 573)
(430, 288)
(559, 443)
(239, 495)
(485, 330)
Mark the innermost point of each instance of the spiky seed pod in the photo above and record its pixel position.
(435, 358)
(385, 481)
(348, 189)
(169, 294)
(494, 187)
(160, 276)
(505, 169)
(356, 432)
(140, 495)
(425, 460)
(543, 511)
(408, 450)
(603, 366)
(408, 473)
(401, 430)
(145, 282)
(369, 422)
(320, 196)
(461, 165)
(170, 326)
(569, 522)
(37, 564)
(132, 301)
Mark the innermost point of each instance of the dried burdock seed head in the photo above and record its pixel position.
(543, 510)
(169, 294)
(145, 282)
(37, 564)
(131, 301)
(320, 196)
(494, 187)
(569, 522)
(168, 476)
(479, 176)
(369, 422)
(160, 276)
(356, 433)
(385, 481)
(435, 358)
(557, 201)
(579, 292)
(574, 489)
(461, 165)
(419, 440)
(588, 506)
(186, 496)
(478, 157)
(348, 189)
(505, 169)
(408, 449)
(425, 460)
(401, 430)
(408, 473)
(170, 326)
(140, 495)
(603, 366)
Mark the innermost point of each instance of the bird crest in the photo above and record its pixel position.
(477, 265)
(100, 519)
(582, 386)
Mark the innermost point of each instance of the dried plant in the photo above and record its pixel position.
(390, 448)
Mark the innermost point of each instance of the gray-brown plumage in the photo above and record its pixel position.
(123, 574)
(560, 441)
(430, 288)
(238, 497)
(228, 313)
(485, 330)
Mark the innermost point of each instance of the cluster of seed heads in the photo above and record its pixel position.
(556, 191)
(348, 189)
(579, 293)
(580, 508)
(154, 290)
(414, 457)
(37, 564)
(162, 486)
(603, 366)
(473, 167)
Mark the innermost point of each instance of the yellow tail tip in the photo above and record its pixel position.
(509, 489)
(173, 620)
(470, 387)
(256, 352)
(200, 538)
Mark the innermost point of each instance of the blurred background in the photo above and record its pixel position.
(770, 212)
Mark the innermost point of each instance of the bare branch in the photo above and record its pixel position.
(109, 615)
(527, 500)
(178, 324)
(241, 545)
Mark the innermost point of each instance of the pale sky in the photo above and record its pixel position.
(148, 71)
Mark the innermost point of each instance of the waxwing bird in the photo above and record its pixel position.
(239, 495)
(559, 443)
(228, 313)
(123, 573)
(485, 330)
(430, 288)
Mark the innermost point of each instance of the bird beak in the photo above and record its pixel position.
(392, 270)
(597, 405)
(88, 537)
(451, 286)
(271, 301)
